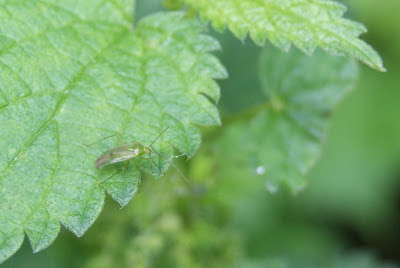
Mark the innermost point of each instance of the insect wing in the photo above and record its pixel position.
(121, 148)
(122, 156)
(125, 152)
(103, 160)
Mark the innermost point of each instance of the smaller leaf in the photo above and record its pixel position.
(283, 139)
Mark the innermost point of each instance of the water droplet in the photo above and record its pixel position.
(260, 170)
(271, 188)
(15, 158)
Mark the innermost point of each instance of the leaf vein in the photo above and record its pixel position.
(58, 106)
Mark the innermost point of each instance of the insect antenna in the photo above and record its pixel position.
(116, 134)
(177, 169)
(159, 135)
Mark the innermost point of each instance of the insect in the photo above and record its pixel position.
(129, 151)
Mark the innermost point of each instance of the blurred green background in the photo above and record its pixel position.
(348, 216)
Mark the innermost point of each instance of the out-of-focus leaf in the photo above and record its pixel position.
(358, 260)
(169, 226)
(242, 90)
(351, 260)
(305, 23)
(173, 4)
(284, 137)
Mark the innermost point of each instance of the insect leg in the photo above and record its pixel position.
(123, 168)
(151, 159)
(159, 168)
(177, 169)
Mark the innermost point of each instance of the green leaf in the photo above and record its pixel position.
(359, 259)
(283, 138)
(173, 4)
(73, 72)
(350, 260)
(305, 23)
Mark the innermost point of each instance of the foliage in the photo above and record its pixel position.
(283, 137)
(74, 76)
(307, 24)
(74, 72)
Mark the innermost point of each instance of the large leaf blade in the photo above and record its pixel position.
(79, 73)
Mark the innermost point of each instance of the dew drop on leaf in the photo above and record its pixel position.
(260, 170)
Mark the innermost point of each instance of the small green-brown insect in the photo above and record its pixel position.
(128, 151)
(122, 153)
